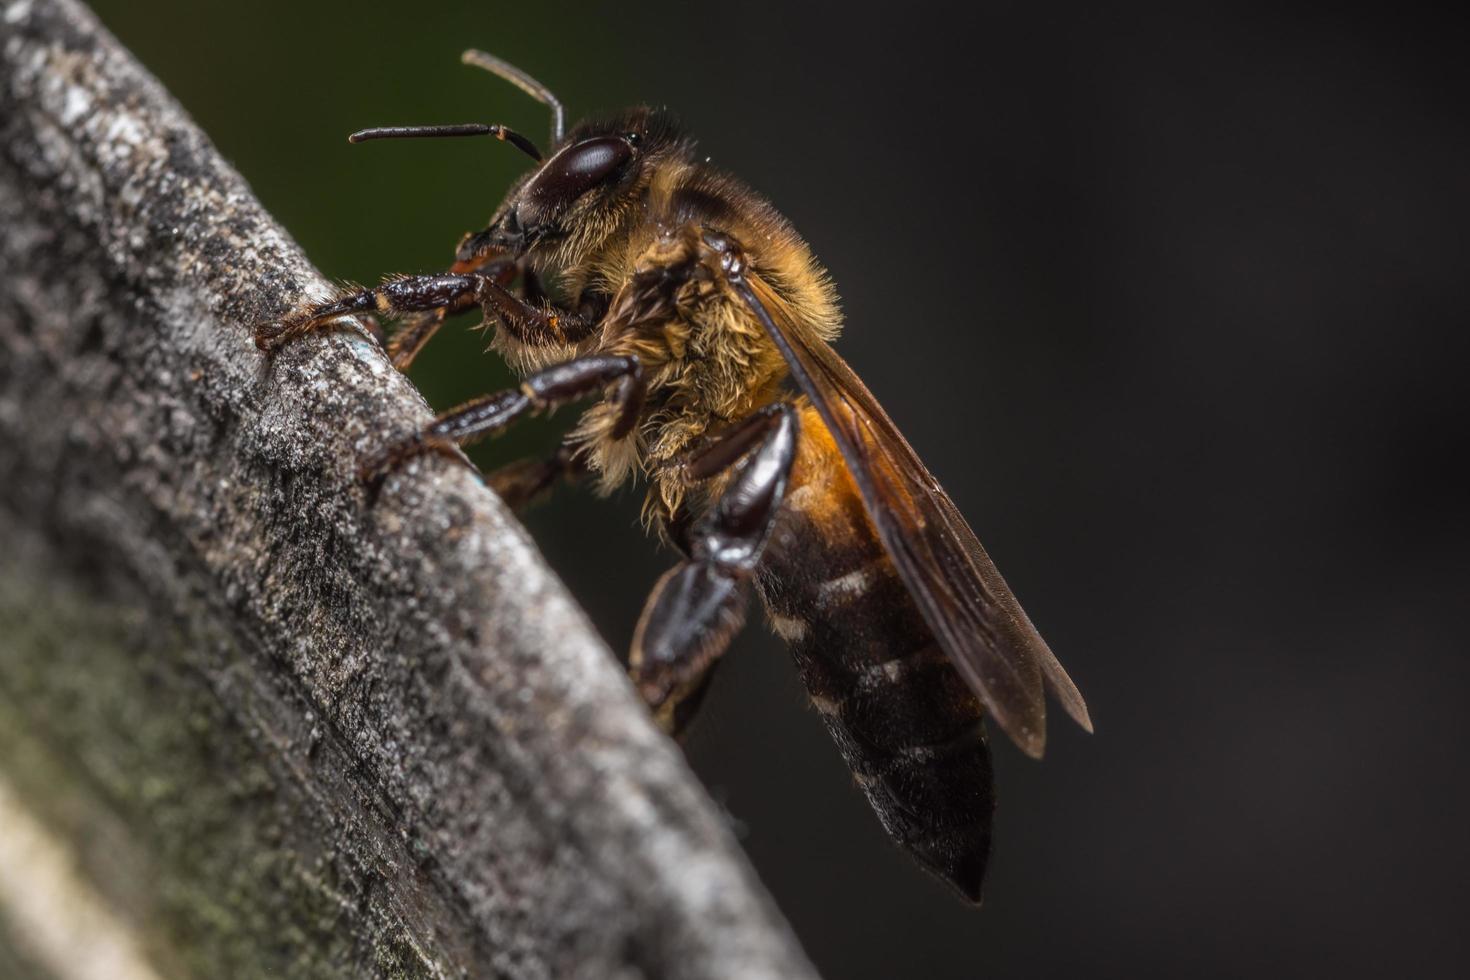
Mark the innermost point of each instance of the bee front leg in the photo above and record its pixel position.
(538, 322)
(698, 606)
(542, 391)
(440, 295)
(411, 294)
(530, 317)
(419, 328)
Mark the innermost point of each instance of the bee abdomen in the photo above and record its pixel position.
(913, 736)
(905, 721)
(940, 808)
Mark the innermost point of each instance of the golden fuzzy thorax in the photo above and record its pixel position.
(706, 360)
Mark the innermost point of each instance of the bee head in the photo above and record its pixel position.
(573, 199)
(577, 196)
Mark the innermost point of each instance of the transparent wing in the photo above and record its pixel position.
(973, 613)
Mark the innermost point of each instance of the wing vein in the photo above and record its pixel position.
(962, 596)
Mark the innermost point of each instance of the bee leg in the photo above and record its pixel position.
(450, 292)
(542, 391)
(540, 323)
(419, 328)
(533, 320)
(697, 607)
(413, 336)
(442, 294)
(526, 481)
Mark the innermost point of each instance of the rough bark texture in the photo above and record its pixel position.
(285, 730)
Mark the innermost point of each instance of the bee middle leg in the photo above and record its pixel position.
(543, 390)
(698, 606)
(526, 481)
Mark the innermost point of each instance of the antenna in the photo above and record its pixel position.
(525, 83)
(501, 133)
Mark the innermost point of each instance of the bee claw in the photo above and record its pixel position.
(374, 328)
(268, 336)
(373, 471)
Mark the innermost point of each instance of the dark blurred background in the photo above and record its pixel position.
(1176, 307)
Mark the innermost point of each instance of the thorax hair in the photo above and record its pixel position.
(707, 361)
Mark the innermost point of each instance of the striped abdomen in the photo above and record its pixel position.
(905, 721)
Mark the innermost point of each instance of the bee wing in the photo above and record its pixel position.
(962, 596)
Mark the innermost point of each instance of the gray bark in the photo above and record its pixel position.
(283, 729)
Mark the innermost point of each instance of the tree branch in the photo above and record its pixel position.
(284, 729)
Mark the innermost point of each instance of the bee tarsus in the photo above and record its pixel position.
(523, 482)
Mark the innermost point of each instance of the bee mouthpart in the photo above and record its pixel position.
(507, 235)
(476, 245)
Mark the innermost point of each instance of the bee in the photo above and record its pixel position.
(626, 269)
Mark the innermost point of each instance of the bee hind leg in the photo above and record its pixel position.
(697, 607)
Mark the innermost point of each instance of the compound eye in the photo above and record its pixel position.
(579, 168)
